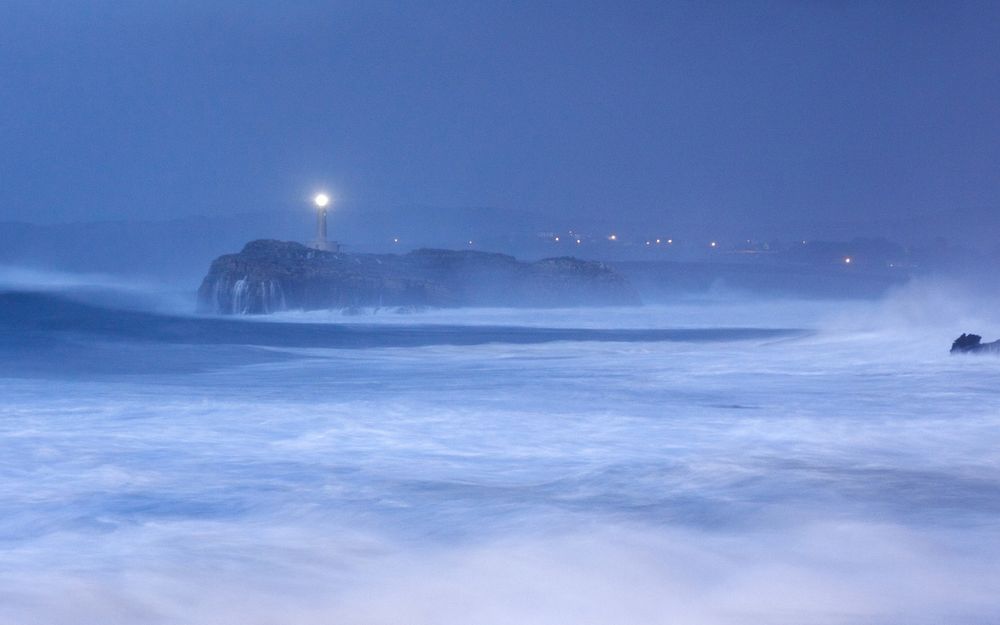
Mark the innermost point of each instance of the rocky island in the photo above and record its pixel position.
(972, 344)
(269, 276)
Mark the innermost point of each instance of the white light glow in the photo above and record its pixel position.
(321, 200)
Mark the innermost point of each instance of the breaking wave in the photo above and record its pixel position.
(655, 466)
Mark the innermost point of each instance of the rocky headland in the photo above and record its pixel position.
(972, 344)
(269, 276)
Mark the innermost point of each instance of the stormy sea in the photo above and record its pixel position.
(719, 459)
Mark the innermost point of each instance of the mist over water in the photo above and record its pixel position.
(778, 436)
(845, 474)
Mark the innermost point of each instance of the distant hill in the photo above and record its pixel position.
(177, 251)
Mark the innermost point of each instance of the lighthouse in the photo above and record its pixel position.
(322, 203)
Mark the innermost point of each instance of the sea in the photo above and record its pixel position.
(721, 458)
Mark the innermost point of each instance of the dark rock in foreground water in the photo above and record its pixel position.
(268, 276)
(972, 343)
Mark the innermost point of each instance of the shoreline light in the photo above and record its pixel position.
(321, 200)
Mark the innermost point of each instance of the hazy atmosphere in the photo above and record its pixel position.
(765, 120)
(438, 313)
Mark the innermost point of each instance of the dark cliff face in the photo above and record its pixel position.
(972, 344)
(268, 276)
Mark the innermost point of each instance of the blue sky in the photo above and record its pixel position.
(770, 115)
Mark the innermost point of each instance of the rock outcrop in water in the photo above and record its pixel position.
(269, 276)
(972, 343)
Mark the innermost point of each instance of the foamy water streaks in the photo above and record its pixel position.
(841, 476)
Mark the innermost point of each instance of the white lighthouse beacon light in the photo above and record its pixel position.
(322, 201)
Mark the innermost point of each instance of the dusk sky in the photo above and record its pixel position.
(774, 114)
(632, 311)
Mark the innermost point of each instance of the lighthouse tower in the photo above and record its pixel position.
(322, 202)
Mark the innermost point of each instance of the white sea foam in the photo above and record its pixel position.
(15, 276)
(685, 313)
(848, 476)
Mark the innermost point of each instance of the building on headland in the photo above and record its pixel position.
(322, 202)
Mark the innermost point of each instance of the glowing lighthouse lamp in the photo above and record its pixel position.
(322, 202)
